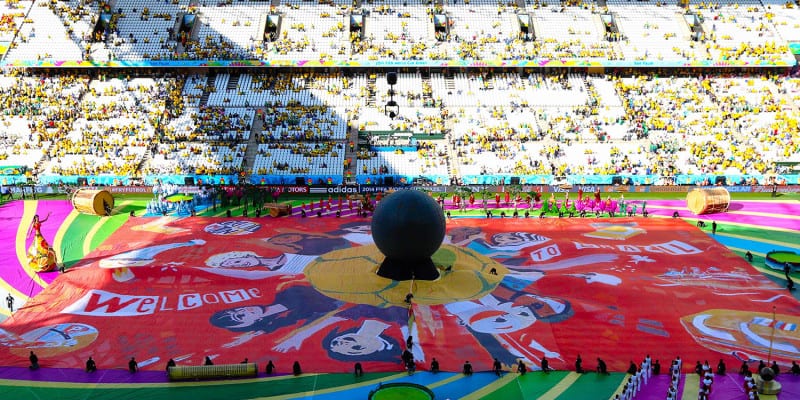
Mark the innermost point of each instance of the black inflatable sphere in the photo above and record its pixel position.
(767, 374)
(408, 227)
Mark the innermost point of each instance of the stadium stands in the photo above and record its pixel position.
(600, 119)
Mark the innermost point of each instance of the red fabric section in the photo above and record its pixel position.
(233, 288)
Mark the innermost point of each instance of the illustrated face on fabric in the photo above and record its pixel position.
(516, 240)
(51, 340)
(353, 344)
(507, 239)
(286, 238)
(366, 340)
(545, 308)
(246, 316)
(505, 318)
(242, 317)
(244, 259)
(463, 233)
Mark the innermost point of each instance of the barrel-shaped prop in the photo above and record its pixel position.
(277, 210)
(708, 201)
(93, 201)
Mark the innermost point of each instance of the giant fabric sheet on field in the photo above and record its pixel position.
(304, 290)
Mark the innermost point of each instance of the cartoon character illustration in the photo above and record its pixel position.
(51, 340)
(292, 305)
(250, 265)
(357, 232)
(715, 278)
(315, 313)
(495, 319)
(365, 342)
(305, 243)
(144, 256)
(746, 334)
(506, 247)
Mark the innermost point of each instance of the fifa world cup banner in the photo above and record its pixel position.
(306, 290)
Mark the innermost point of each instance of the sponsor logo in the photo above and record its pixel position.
(295, 189)
(672, 189)
(779, 189)
(335, 189)
(732, 189)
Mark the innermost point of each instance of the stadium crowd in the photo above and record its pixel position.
(645, 123)
(454, 122)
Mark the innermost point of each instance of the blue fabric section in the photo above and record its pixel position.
(420, 378)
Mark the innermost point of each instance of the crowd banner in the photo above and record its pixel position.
(13, 179)
(294, 179)
(38, 189)
(391, 180)
(12, 170)
(507, 179)
(192, 179)
(91, 180)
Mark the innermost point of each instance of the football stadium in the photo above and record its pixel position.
(399, 199)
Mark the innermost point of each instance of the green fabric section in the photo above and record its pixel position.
(72, 245)
(758, 264)
(530, 386)
(767, 234)
(111, 224)
(593, 386)
(231, 390)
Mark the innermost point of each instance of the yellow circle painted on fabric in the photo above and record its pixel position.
(351, 275)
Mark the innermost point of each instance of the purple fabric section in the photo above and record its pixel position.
(747, 206)
(11, 272)
(79, 376)
(730, 386)
(656, 388)
(59, 210)
(785, 223)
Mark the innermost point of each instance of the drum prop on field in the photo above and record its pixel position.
(708, 201)
(92, 201)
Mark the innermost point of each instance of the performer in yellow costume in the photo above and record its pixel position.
(41, 257)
